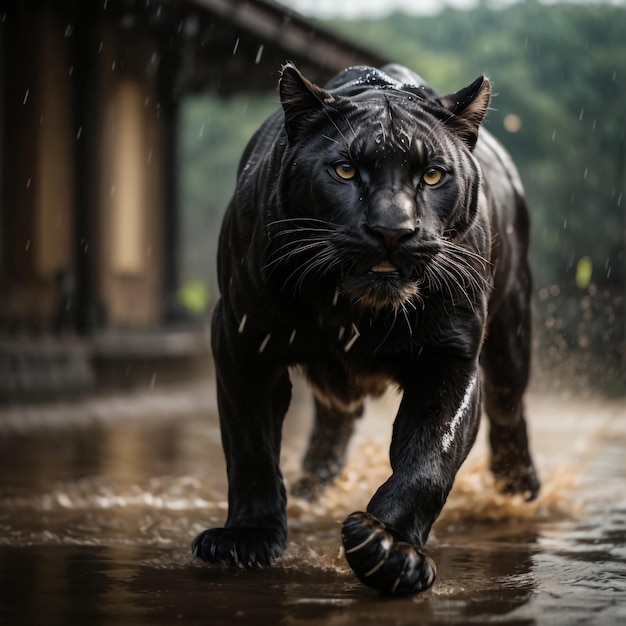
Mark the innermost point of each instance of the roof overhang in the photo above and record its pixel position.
(226, 46)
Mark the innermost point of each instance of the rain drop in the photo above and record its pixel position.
(264, 343)
(259, 54)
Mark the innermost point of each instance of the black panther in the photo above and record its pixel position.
(376, 237)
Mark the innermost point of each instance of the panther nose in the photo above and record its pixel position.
(392, 215)
(393, 236)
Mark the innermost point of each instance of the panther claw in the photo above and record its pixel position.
(248, 547)
(383, 561)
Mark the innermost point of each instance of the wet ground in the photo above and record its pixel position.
(99, 502)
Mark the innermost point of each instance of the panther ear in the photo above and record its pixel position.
(468, 107)
(301, 98)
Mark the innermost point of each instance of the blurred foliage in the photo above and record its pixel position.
(559, 73)
(213, 135)
(193, 294)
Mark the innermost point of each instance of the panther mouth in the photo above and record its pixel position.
(385, 267)
(381, 287)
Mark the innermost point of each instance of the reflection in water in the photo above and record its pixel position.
(96, 518)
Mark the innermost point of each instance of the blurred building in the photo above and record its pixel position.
(89, 100)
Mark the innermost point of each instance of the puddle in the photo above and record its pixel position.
(97, 515)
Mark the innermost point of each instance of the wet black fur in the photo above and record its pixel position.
(445, 318)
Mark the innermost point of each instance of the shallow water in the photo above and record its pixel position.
(99, 502)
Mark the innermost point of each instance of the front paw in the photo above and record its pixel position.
(383, 561)
(247, 546)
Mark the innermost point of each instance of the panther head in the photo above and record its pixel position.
(379, 191)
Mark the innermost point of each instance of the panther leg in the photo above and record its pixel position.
(252, 398)
(326, 452)
(506, 364)
(433, 432)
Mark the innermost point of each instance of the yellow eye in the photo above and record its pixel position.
(432, 176)
(346, 171)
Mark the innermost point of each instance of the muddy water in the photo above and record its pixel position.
(100, 500)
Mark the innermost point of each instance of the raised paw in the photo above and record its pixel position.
(383, 561)
(250, 547)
